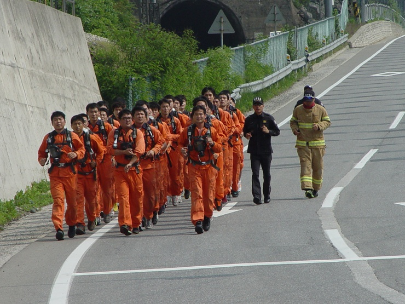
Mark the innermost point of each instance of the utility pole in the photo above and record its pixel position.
(328, 8)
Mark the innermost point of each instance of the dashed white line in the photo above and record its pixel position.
(365, 159)
(397, 120)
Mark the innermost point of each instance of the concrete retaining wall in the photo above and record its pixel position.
(45, 66)
(374, 32)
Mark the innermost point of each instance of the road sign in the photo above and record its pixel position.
(275, 15)
(221, 22)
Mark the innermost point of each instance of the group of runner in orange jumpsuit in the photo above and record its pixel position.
(139, 161)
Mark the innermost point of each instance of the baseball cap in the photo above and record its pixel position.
(257, 100)
(308, 96)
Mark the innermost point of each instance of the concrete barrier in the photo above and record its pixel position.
(374, 32)
(45, 66)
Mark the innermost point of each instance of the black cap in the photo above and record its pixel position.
(257, 100)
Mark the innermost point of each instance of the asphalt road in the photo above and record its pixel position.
(346, 246)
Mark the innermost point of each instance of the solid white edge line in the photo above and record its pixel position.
(61, 286)
(257, 264)
(397, 120)
(339, 243)
(332, 197)
(365, 159)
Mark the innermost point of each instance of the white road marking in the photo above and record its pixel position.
(257, 264)
(226, 209)
(332, 197)
(340, 244)
(402, 204)
(365, 159)
(61, 286)
(397, 120)
(388, 74)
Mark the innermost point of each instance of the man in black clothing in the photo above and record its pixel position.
(259, 127)
(308, 92)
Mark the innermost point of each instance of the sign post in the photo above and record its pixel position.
(275, 16)
(221, 25)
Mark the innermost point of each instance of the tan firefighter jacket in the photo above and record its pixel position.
(303, 120)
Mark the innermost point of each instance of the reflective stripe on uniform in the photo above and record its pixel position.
(304, 125)
(317, 181)
(325, 118)
(293, 119)
(306, 179)
(316, 143)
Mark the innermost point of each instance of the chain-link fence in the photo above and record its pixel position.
(325, 31)
(67, 6)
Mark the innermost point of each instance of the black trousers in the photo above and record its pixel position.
(257, 160)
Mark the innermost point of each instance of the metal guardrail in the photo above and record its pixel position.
(292, 66)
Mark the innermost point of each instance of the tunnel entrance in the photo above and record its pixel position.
(199, 16)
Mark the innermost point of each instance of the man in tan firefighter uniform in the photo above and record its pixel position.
(307, 123)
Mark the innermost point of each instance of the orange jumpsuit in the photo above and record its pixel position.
(219, 183)
(104, 171)
(176, 162)
(236, 142)
(153, 141)
(162, 164)
(128, 186)
(202, 174)
(87, 181)
(242, 119)
(63, 180)
(227, 120)
(184, 121)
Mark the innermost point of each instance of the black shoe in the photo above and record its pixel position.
(124, 230)
(199, 227)
(143, 222)
(235, 193)
(155, 218)
(60, 234)
(72, 231)
(218, 205)
(162, 209)
(257, 201)
(102, 214)
(80, 229)
(315, 193)
(228, 196)
(267, 200)
(186, 194)
(107, 218)
(91, 225)
(135, 230)
(206, 223)
(309, 193)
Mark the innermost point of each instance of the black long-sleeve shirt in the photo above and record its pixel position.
(260, 142)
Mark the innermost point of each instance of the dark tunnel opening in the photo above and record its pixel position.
(199, 16)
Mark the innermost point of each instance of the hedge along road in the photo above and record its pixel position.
(279, 252)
